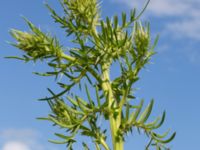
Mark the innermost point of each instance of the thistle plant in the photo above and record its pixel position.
(98, 44)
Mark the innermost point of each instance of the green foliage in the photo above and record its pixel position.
(37, 45)
(98, 44)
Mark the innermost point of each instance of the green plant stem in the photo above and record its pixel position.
(114, 121)
(92, 72)
(67, 57)
(103, 143)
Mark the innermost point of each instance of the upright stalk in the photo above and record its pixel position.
(114, 121)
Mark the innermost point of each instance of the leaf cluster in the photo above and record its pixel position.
(36, 44)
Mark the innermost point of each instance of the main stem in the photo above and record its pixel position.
(114, 121)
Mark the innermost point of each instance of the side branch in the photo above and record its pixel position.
(89, 69)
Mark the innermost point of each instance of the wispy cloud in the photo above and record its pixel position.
(15, 146)
(22, 139)
(22, 134)
(166, 7)
(184, 15)
(189, 28)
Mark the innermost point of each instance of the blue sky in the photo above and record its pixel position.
(172, 79)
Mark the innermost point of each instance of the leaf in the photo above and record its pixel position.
(140, 14)
(161, 122)
(127, 111)
(145, 115)
(132, 15)
(123, 19)
(74, 111)
(135, 114)
(85, 146)
(115, 22)
(64, 137)
(72, 101)
(70, 141)
(60, 123)
(103, 30)
(88, 78)
(88, 133)
(97, 146)
(41, 118)
(59, 94)
(123, 42)
(97, 96)
(155, 42)
(108, 23)
(58, 142)
(83, 102)
(56, 17)
(161, 136)
(15, 57)
(165, 141)
(42, 74)
(32, 26)
(88, 95)
(83, 105)
(153, 123)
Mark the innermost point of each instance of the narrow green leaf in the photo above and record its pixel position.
(83, 102)
(127, 111)
(15, 57)
(161, 122)
(161, 136)
(42, 74)
(32, 26)
(97, 96)
(97, 146)
(165, 141)
(122, 42)
(108, 23)
(135, 114)
(88, 95)
(155, 42)
(153, 123)
(59, 94)
(60, 123)
(88, 78)
(140, 14)
(64, 137)
(83, 105)
(58, 142)
(123, 19)
(72, 101)
(103, 30)
(41, 118)
(85, 146)
(132, 15)
(145, 115)
(74, 111)
(115, 22)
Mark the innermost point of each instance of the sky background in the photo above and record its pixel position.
(172, 78)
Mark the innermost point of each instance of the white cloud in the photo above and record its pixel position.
(19, 134)
(14, 145)
(167, 7)
(23, 139)
(182, 15)
(185, 28)
(164, 7)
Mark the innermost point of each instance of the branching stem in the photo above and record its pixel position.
(114, 121)
(89, 69)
